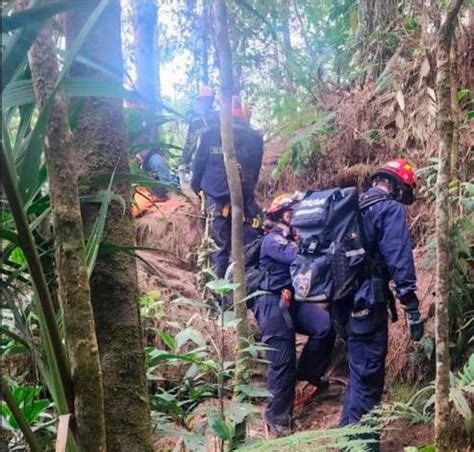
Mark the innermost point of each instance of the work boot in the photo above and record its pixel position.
(274, 430)
(311, 390)
(322, 383)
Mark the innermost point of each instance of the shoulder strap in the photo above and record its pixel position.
(369, 201)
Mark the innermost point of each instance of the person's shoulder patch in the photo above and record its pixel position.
(280, 239)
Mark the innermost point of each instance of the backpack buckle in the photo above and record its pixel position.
(313, 246)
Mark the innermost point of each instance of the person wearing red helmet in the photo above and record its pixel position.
(279, 319)
(203, 117)
(363, 317)
(208, 175)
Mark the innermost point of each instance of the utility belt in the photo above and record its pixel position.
(377, 272)
(223, 210)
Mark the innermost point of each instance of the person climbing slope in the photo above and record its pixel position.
(364, 315)
(209, 176)
(279, 318)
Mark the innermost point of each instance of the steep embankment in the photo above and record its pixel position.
(174, 229)
(338, 144)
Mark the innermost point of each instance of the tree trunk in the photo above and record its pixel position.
(376, 19)
(235, 186)
(101, 146)
(457, 115)
(443, 270)
(204, 30)
(74, 291)
(145, 18)
(286, 46)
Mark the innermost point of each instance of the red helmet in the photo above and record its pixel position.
(401, 169)
(205, 91)
(281, 203)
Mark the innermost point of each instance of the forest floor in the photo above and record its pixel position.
(174, 228)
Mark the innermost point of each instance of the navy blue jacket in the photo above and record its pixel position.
(197, 123)
(276, 255)
(208, 169)
(387, 232)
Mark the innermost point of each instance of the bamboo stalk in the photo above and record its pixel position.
(443, 271)
(39, 281)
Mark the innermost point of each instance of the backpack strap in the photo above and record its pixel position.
(369, 201)
(374, 264)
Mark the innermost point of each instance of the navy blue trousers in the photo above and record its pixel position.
(222, 234)
(279, 335)
(366, 355)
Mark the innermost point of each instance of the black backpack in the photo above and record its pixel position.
(253, 273)
(331, 251)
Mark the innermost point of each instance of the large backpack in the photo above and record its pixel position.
(331, 253)
(253, 273)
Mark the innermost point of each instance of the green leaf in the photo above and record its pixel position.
(427, 448)
(14, 55)
(167, 339)
(237, 412)
(252, 391)
(11, 236)
(222, 430)
(190, 334)
(462, 93)
(18, 257)
(161, 355)
(21, 92)
(95, 238)
(461, 404)
(221, 286)
(190, 302)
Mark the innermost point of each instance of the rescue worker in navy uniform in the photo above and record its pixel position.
(279, 319)
(201, 119)
(364, 317)
(209, 176)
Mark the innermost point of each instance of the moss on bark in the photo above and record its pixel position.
(100, 147)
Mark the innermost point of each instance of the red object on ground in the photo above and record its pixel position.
(302, 401)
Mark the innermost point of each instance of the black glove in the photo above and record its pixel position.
(410, 301)
(416, 325)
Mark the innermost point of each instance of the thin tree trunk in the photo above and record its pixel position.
(457, 114)
(145, 18)
(445, 128)
(235, 186)
(101, 146)
(287, 46)
(74, 291)
(204, 29)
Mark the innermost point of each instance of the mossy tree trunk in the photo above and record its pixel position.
(235, 186)
(145, 21)
(445, 126)
(100, 144)
(71, 266)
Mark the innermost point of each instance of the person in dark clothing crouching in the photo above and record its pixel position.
(279, 318)
(364, 316)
